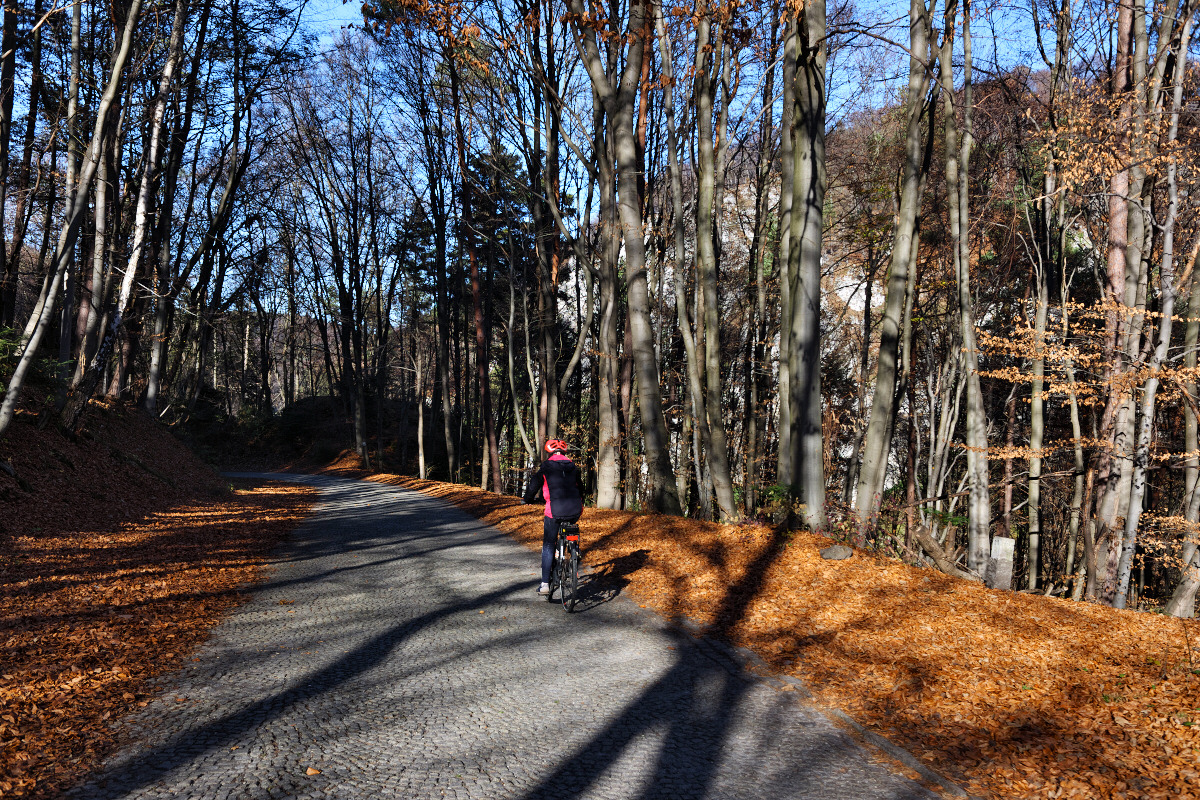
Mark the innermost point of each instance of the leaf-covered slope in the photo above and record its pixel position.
(123, 465)
(119, 551)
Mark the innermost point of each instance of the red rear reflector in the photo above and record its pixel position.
(572, 538)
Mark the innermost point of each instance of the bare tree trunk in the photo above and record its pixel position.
(1117, 489)
(618, 102)
(9, 268)
(625, 396)
(78, 403)
(786, 456)
(1141, 456)
(44, 250)
(661, 495)
(76, 205)
(1183, 599)
(433, 151)
(24, 208)
(877, 443)
(1010, 441)
(65, 329)
(910, 472)
(169, 285)
(608, 450)
(1191, 338)
(693, 365)
(958, 159)
(850, 481)
(96, 299)
(420, 386)
(1036, 430)
(704, 92)
(543, 169)
(1107, 480)
(119, 377)
(758, 262)
(467, 236)
(1077, 498)
(518, 417)
(804, 264)
(548, 401)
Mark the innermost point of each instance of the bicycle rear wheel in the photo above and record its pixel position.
(570, 579)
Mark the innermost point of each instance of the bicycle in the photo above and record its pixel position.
(564, 570)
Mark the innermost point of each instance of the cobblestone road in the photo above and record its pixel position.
(398, 647)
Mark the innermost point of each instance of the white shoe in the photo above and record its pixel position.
(544, 588)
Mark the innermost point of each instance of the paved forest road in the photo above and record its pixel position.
(398, 647)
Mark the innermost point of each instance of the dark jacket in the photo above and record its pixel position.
(557, 482)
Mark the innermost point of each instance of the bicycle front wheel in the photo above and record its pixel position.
(570, 580)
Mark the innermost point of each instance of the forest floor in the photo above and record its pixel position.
(1010, 695)
(118, 552)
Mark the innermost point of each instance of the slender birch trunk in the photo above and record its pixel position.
(1080, 472)
(1037, 388)
(1036, 431)
(419, 364)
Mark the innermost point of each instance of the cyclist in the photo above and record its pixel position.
(559, 483)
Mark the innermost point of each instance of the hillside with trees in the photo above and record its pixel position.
(922, 281)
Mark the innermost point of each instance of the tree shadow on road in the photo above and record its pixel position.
(352, 550)
(146, 766)
(605, 581)
(715, 743)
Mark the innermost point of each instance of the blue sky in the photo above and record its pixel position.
(325, 17)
